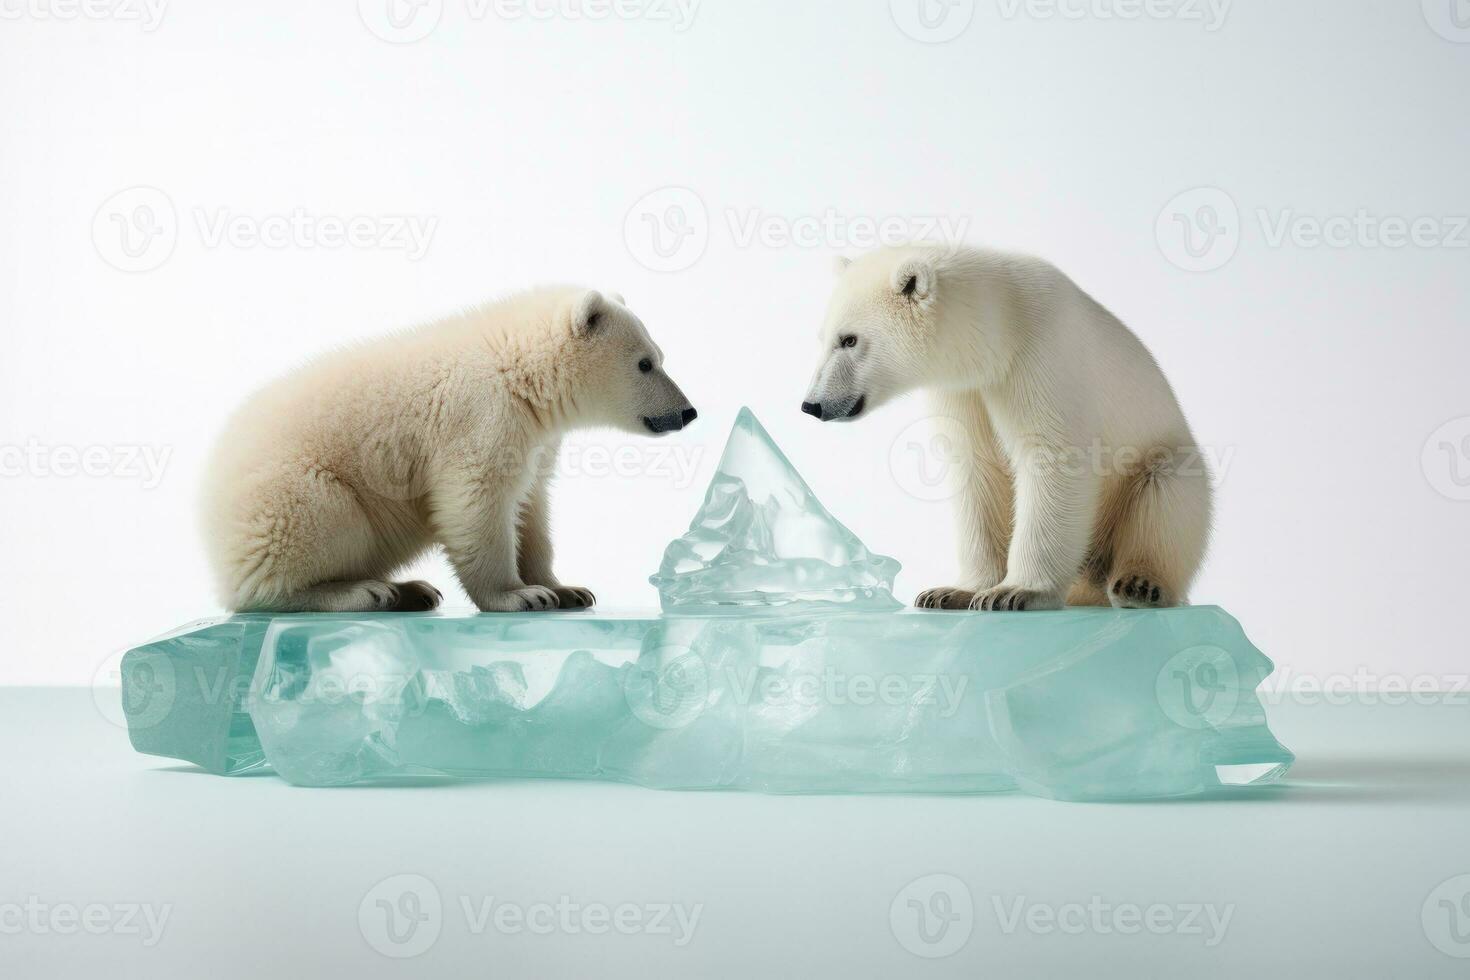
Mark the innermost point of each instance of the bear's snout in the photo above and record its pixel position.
(828, 411)
(672, 422)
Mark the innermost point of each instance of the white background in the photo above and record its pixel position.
(1320, 374)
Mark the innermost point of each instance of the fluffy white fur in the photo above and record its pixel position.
(1083, 481)
(330, 479)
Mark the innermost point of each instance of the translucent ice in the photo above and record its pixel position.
(780, 664)
(1078, 704)
(184, 694)
(761, 538)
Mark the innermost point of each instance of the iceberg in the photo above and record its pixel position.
(779, 664)
(762, 538)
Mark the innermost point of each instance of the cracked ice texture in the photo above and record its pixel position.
(762, 539)
(1075, 704)
(780, 665)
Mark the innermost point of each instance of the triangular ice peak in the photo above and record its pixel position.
(761, 538)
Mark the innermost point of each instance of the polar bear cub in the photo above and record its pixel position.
(333, 477)
(1082, 482)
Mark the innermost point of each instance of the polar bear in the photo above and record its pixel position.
(1082, 481)
(330, 479)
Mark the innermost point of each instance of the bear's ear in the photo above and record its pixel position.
(617, 298)
(915, 279)
(587, 313)
(842, 264)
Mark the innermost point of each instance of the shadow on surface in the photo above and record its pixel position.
(1401, 779)
(1413, 780)
(197, 771)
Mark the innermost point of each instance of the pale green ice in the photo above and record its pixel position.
(781, 664)
(762, 538)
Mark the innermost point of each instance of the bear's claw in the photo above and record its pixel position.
(417, 597)
(575, 597)
(535, 598)
(1137, 592)
(944, 598)
(380, 595)
(527, 598)
(1008, 598)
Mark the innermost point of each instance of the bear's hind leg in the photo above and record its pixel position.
(1141, 590)
(366, 595)
(1162, 519)
(302, 541)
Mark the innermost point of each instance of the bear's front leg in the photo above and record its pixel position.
(475, 519)
(533, 550)
(984, 507)
(1056, 500)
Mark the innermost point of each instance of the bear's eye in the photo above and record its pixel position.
(645, 365)
(847, 340)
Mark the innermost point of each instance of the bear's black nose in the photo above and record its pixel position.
(812, 408)
(672, 422)
(690, 414)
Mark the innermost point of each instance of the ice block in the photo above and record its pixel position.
(1077, 704)
(780, 664)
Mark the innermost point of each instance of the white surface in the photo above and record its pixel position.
(1338, 873)
(1318, 373)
